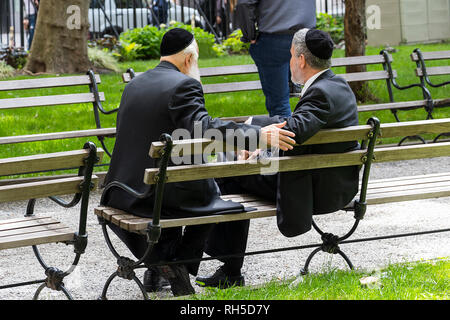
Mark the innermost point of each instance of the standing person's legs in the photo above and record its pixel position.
(271, 54)
(32, 19)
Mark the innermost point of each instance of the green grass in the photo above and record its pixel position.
(76, 117)
(407, 281)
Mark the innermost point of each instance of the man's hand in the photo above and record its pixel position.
(274, 136)
(247, 155)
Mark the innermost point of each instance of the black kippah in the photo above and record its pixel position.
(319, 43)
(175, 40)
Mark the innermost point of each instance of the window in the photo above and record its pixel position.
(131, 4)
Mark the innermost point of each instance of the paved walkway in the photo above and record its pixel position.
(98, 263)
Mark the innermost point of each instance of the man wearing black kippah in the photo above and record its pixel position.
(163, 100)
(326, 102)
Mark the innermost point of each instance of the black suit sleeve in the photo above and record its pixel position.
(188, 106)
(310, 115)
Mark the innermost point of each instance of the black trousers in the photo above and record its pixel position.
(174, 244)
(230, 238)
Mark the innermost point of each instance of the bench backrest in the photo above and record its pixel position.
(49, 100)
(307, 162)
(91, 96)
(423, 71)
(256, 85)
(83, 159)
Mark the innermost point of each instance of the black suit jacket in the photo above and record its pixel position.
(327, 103)
(160, 101)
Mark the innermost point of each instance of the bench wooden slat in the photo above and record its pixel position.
(136, 224)
(424, 180)
(409, 195)
(409, 187)
(58, 135)
(25, 222)
(42, 189)
(366, 76)
(432, 55)
(392, 105)
(237, 168)
(353, 61)
(31, 229)
(434, 71)
(46, 82)
(409, 178)
(305, 162)
(232, 87)
(228, 70)
(57, 160)
(53, 100)
(36, 238)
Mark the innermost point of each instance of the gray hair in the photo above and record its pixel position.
(300, 48)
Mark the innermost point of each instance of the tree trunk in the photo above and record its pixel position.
(60, 41)
(355, 42)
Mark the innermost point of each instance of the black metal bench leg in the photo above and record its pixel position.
(304, 270)
(415, 137)
(106, 286)
(343, 255)
(116, 274)
(445, 134)
(125, 267)
(141, 286)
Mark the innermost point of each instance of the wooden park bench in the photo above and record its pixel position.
(32, 230)
(388, 75)
(91, 96)
(371, 192)
(424, 72)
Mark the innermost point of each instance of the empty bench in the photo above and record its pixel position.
(425, 73)
(370, 192)
(30, 230)
(91, 96)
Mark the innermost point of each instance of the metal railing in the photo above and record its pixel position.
(115, 16)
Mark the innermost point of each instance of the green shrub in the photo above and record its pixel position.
(147, 41)
(233, 44)
(144, 43)
(6, 70)
(333, 25)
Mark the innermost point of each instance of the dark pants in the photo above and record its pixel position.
(32, 23)
(174, 244)
(230, 238)
(272, 55)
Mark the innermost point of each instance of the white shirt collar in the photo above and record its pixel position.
(311, 80)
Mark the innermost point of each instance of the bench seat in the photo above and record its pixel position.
(379, 192)
(28, 231)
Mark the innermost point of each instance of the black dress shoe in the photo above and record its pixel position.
(178, 277)
(220, 280)
(154, 281)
